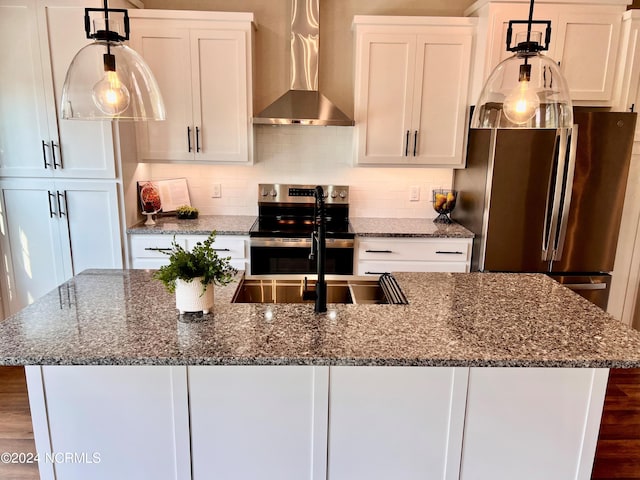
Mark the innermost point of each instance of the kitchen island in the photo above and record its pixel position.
(275, 391)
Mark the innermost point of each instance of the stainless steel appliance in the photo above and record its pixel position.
(280, 238)
(549, 200)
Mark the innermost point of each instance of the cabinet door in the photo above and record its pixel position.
(91, 235)
(258, 422)
(120, 421)
(440, 97)
(587, 47)
(396, 422)
(384, 90)
(532, 423)
(220, 106)
(85, 147)
(25, 142)
(30, 239)
(166, 51)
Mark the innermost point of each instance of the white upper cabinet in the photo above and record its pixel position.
(40, 41)
(584, 41)
(202, 62)
(411, 90)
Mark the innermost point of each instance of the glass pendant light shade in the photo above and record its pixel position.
(109, 81)
(527, 90)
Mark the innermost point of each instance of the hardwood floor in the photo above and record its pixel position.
(16, 433)
(617, 454)
(618, 451)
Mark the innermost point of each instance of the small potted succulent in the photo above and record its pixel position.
(186, 212)
(192, 274)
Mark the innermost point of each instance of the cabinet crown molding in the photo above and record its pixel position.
(481, 3)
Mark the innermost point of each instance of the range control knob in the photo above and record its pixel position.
(264, 192)
(334, 194)
(273, 193)
(343, 194)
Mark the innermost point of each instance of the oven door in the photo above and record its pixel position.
(273, 256)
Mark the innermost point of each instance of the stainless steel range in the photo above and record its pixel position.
(281, 237)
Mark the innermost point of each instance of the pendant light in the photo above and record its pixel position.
(107, 80)
(527, 90)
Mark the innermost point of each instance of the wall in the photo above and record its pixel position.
(309, 154)
(295, 154)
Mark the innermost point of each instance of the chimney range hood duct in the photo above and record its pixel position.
(303, 104)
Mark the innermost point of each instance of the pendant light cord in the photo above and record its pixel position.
(106, 24)
(528, 25)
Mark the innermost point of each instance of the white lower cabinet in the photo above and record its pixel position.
(148, 251)
(532, 423)
(53, 229)
(396, 422)
(266, 422)
(377, 255)
(315, 423)
(125, 422)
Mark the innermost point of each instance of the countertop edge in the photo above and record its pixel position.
(317, 362)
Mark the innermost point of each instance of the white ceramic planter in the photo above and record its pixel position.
(191, 298)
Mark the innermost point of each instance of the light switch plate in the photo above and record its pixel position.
(414, 193)
(216, 191)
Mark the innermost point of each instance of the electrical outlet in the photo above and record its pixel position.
(414, 193)
(216, 191)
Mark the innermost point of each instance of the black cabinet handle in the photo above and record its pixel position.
(406, 145)
(156, 249)
(51, 212)
(54, 145)
(45, 145)
(221, 250)
(375, 273)
(64, 199)
(189, 137)
(379, 251)
(415, 142)
(197, 139)
(449, 253)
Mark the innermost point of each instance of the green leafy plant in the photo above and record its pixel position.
(202, 261)
(186, 211)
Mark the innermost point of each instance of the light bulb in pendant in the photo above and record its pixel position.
(110, 95)
(522, 103)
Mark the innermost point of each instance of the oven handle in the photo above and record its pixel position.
(300, 242)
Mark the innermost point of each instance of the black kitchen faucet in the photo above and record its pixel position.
(318, 249)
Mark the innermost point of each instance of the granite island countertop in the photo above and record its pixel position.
(125, 317)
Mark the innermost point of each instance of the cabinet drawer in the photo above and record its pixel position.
(380, 267)
(226, 246)
(142, 246)
(456, 250)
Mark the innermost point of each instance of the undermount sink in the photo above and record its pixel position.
(356, 291)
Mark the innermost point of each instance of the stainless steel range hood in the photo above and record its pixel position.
(303, 104)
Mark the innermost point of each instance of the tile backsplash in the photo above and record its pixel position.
(314, 155)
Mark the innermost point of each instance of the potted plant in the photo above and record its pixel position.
(192, 274)
(186, 212)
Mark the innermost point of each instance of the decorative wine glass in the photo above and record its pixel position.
(444, 201)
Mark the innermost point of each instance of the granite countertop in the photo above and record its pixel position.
(364, 227)
(203, 225)
(453, 319)
(407, 227)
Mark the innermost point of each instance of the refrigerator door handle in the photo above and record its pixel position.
(567, 193)
(553, 197)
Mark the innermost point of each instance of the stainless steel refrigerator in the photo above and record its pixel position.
(549, 200)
